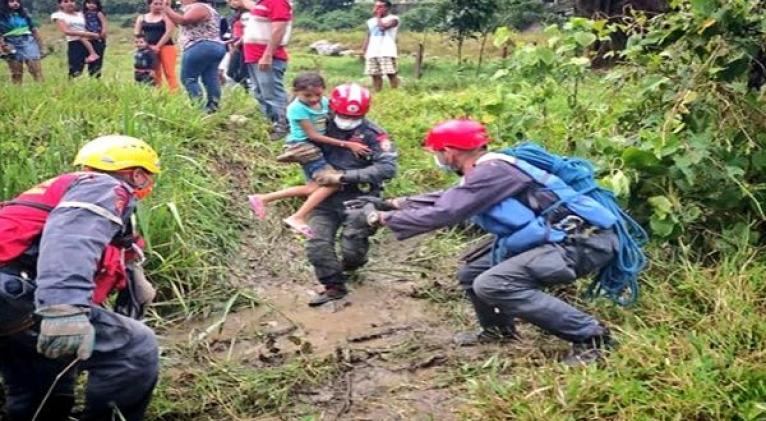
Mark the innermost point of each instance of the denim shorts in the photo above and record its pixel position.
(26, 47)
(311, 168)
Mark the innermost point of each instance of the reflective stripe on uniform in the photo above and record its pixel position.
(98, 210)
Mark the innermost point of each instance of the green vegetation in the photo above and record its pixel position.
(674, 130)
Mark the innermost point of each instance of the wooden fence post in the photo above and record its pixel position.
(419, 61)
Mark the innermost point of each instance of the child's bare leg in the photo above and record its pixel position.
(258, 202)
(318, 196)
(92, 56)
(297, 191)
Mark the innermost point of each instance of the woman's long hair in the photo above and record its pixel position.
(5, 11)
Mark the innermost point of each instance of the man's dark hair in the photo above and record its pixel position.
(308, 80)
(140, 36)
(387, 3)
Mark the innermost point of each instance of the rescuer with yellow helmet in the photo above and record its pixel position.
(54, 239)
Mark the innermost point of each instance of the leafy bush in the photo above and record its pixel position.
(340, 19)
(520, 14)
(676, 128)
(421, 18)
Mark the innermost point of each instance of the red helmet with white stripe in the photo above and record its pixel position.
(464, 134)
(350, 99)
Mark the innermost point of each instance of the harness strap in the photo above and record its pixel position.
(98, 210)
(40, 206)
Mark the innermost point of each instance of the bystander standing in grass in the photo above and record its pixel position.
(95, 21)
(158, 30)
(202, 50)
(23, 39)
(144, 62)
(379, 47)
(266, 34)
(71, 23)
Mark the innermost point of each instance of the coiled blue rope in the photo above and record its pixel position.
(622, 273)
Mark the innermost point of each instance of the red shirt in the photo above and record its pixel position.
(259, 27)
(237, 29)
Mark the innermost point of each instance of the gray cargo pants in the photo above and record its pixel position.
(326, 221)
(512, 287)
(122, 371)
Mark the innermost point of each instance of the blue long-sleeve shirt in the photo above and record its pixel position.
(488, 184)
(94, 210)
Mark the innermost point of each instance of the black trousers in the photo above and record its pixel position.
(326, 221)
(76, 54)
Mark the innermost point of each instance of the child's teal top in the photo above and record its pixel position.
(298, 111)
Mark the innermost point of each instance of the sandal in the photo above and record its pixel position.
(298, 228)
(257, 205)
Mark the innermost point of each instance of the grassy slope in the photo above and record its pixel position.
(691, 349)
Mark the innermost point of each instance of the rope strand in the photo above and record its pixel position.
(622, 273)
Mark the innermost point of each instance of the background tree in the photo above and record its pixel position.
(321, 6)
(465, 19)
(615, 11)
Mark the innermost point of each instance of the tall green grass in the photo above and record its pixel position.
(190, 220)
(690, 349)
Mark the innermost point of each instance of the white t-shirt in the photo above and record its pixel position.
(75, 21)
(382, 43)
(258, 28)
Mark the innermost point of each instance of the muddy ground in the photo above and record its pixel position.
(390, 338)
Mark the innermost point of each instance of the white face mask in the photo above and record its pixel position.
(442, 166)
(347, 124)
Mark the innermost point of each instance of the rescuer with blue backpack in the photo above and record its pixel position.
(551, 222)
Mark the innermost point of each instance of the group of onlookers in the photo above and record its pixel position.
(252, 50)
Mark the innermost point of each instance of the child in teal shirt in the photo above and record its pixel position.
(308, 115)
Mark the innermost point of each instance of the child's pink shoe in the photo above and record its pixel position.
(257, 205)
(299, 227)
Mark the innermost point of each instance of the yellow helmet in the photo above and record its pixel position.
(118, 152)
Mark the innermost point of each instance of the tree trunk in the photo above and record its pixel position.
(460, 51)
(481, 51)
(419, 61)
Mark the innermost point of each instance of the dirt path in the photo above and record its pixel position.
(391, 346)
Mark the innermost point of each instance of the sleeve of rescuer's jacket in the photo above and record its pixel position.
(487, 185)
(76, 233)
(384, 161)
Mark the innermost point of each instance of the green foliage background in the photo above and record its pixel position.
(675, 132)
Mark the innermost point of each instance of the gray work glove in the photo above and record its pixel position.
(377, 202)
(329, 177)
(65, 330)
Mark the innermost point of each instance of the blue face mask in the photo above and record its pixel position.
(442, 166)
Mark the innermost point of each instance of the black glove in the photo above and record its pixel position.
(377, 202)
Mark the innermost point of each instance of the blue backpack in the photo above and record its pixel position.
(622, 273)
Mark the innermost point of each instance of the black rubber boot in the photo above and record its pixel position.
(330, 293)
(485, 336)
(590, 351)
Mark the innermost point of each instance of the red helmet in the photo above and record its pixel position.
(350, 99)
(465, 134)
